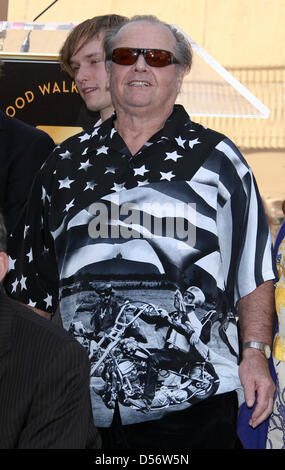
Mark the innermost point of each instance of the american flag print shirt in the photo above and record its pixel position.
(147, 257)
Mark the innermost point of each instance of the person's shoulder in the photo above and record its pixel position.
(72, 148)
(84, 135)
(73, 145)
(227, 148)
(37, 330)
(23, 129)
(206, 133)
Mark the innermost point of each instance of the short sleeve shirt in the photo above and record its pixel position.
(147, 257)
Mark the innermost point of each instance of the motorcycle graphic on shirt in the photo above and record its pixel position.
(127, 368)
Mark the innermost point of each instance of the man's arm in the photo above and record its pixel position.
(29, 153)
(33, 275)
(256, 313)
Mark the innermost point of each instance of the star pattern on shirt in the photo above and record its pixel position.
(140, 171)
(103, 150)
(90, 185)
(69, 205)
(173, 156)
(143, 183)
(45, 250)
(167, 176)
(14, 285)
(48, 300)
(11, 263)
(111, 169)
(118, 187)
(84, 137)
(65, 183)
(193, 142)
(65, 155)
(44, 193)
(93, 165)
(30, 255)
(26, 229)
(95, 132)
(180, 141)
(23, 282)
(113, 131)
(85, 165)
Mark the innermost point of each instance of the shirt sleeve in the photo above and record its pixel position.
(244, 233)
(33, 275)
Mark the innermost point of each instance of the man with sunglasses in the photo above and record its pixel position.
(153, 203)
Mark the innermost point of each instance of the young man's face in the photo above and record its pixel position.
(91, 78)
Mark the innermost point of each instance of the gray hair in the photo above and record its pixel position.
(183, 51)
(3, 234)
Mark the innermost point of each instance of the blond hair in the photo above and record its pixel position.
(83, 33)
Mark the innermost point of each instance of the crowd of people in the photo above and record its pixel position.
(181, 358)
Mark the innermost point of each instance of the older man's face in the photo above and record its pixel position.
(141, 88)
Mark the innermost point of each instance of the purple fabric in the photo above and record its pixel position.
(279, 238)
(249, 437)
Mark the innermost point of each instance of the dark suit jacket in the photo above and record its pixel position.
(23, 149)
(44, 384)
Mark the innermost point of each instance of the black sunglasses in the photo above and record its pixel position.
(153, 57)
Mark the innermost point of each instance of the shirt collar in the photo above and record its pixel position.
(175, 123)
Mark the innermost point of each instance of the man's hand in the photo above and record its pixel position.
(256, 311)
(164, 314)
(256, 379)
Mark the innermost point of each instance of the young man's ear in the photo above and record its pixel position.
(4, 263)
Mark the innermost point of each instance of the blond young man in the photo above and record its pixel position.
(82, 57)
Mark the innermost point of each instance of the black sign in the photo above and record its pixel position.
(39, 93)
